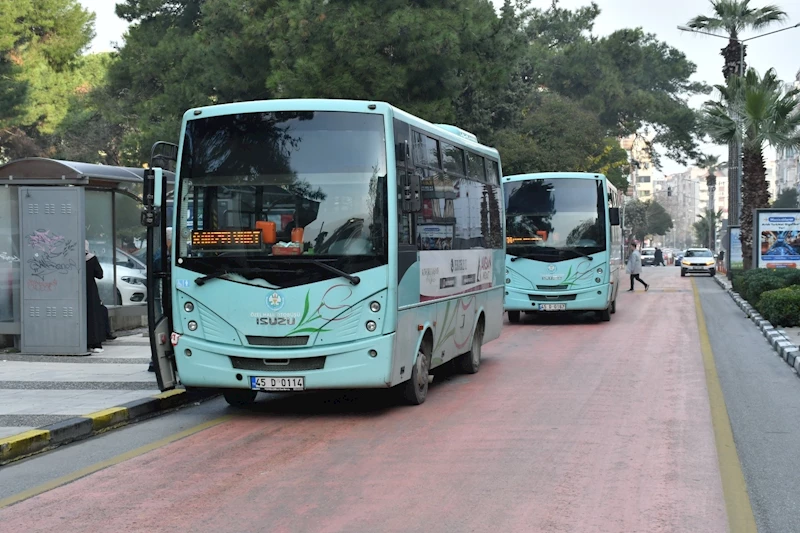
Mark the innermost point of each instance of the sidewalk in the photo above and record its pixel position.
(76, 396)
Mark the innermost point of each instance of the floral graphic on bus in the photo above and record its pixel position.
(330, 309)
(582, 274)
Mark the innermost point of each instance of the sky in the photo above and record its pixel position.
(660, 17)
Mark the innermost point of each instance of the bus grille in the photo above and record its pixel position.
(300, 340)
(552, 287)
(279, 365)
(557, 298)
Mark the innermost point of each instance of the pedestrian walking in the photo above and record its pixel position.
(721, 261)
(658, 258)
(95, 320)
(634, 267)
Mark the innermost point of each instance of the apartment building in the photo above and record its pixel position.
(642, 168)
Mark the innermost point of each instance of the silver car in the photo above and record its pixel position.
(699, 261)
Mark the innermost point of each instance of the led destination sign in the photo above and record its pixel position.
(226, 240)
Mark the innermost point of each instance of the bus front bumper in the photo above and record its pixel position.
(595, 298)
(345, 366)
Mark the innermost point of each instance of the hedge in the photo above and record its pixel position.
(752, 284)
(781, 306)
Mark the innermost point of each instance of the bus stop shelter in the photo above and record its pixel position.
(48, 209)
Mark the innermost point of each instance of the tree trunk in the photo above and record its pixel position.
(755, 195)
(733, 57)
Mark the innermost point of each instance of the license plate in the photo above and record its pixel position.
(552, 307)
(277, 384)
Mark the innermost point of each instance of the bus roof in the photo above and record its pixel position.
(446, 131)
(555, 175)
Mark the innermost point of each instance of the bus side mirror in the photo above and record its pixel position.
(613, 216)
(412, 200)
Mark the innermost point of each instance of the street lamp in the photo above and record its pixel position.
(735, 198)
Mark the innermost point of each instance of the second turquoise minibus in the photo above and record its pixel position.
(563, 244)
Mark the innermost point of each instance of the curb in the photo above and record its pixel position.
(81, 427)
(778, 339)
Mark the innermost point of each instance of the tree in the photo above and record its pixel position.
(705, 226)
(633, 82)
(732, 17)
(40, 69)
(647, 218)
(755, 111)
(788, 198)
(421, 56)
(711, 164)
(659, 221)
(554, 134)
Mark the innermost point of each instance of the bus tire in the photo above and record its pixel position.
(470, 362)
(513, 317)
(239, 397)
(604, 315)
(415, 390)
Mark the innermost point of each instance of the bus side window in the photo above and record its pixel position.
(403, 163)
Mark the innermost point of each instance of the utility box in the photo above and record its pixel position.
(53, 266)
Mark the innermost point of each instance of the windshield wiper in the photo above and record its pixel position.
(545, 251)
(219, 273)
(355, 280)
(575, 250)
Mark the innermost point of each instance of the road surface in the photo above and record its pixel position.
(570, 426)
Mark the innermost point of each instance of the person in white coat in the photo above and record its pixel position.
(634, 267)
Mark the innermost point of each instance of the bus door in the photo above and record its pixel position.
(159, 295)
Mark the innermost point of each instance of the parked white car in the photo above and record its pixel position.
(648, 256)
(131, 280)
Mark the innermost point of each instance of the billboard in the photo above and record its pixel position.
(777, 242)
(735, 247)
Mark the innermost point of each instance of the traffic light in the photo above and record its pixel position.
(669, 191)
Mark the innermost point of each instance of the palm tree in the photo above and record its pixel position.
(755, 111)
(733, 17)
(704, 227)
(711, 164)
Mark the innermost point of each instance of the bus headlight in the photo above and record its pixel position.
(192, 325)
(371, 325)
(188, 307)
(599, 270)
(374, 307)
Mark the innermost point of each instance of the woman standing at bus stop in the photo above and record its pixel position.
(634, 267)
(95, 321)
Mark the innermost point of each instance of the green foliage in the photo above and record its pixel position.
(768, 115)
(781, 306)
(40, 70)
(702, 227)
(555, 134)
(751, 284)
(659, 220)
(788, 198)
(732, 17)
(533, 82)
(633, 82)
(646, 218)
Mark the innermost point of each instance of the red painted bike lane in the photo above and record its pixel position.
(569, 426)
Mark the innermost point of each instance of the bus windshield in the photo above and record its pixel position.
(552, 216)
(315, 178)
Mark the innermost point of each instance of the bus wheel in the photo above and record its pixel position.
(415, 390)
(513, 317)
(604, 315)
(239, 397)
(470, 362)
